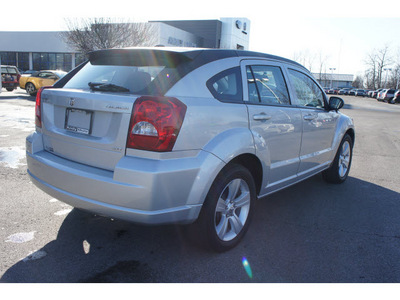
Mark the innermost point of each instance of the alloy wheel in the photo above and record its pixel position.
(344, 159)
(232, 209)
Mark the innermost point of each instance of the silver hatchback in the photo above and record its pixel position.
(155, 136)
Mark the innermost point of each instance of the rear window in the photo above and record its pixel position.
(8, 70)
(137, 80)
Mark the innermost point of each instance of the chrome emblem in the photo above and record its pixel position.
(72, 102)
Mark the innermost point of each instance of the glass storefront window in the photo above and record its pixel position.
(18, 59)
(41, 61)
(23, 61)
(52, 61)
(8, 58)
(80, 58)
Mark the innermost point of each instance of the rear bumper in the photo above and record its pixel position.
(139, 190)
(13, 85)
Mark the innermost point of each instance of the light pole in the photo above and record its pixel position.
(386, 69)
(332, 69)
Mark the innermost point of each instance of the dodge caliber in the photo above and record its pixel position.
(187, 136)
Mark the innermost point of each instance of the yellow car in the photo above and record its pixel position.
(42, 78)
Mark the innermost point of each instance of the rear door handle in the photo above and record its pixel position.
(261, 117)
(310, 117)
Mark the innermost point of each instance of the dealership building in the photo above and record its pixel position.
(334, 80)
(48, 51)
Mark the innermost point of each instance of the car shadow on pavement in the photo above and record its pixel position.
(310, 232)
(91, 248)
(17, 94)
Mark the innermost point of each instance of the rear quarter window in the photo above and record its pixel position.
(227, 85)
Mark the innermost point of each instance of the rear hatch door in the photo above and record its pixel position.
(86, 127)
(86, 115)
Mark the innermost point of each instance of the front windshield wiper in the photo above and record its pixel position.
(106, 87)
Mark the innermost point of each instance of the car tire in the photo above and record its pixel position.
(340, 168)
(227, 210)
(10, 89)
(30, 89)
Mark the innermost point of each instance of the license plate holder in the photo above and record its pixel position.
(78, 120)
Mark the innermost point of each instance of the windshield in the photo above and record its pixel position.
(60, 74)
(133, 78)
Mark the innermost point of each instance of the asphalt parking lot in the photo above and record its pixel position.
(310, 232)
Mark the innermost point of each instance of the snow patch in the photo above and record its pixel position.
(17, 117)
(11, 156)
(21, 237)
(63, 212)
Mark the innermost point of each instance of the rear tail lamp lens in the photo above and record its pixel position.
(155, 123)
(38, 107)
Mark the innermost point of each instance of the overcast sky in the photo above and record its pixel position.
(344, 31)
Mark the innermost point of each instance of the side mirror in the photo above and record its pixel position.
(335, 103)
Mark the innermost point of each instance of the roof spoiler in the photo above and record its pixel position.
(141, 57)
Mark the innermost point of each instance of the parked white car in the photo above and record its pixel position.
(387, 95)
(160, 136)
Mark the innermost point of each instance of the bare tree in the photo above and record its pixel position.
(371, 72)
(358, 82)
(322, 60)
(91, 34)
(305, 58)
(394, 78)
(376, 62)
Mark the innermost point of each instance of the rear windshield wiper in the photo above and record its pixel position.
(106, 87)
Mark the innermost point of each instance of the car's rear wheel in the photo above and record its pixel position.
(340, 168)
(228, 208)
(30, 89)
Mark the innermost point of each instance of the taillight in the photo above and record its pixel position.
(38, 106)
(155, 123)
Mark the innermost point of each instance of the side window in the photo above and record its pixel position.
(44, 75)
(267, 85)
(307, 91)
(227, 85)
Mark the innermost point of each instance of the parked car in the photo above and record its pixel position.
(375, 93)
(379, 95)
(159, 136)
(332, 91)
(343, 91)
(360, 92)
(396, 98)
(39, 79)
(352, 92)
(387, 95)
(9, 77)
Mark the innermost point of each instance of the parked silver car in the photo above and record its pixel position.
(160, 136)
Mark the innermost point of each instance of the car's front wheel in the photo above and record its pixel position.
(228, 208)
(340, 168)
